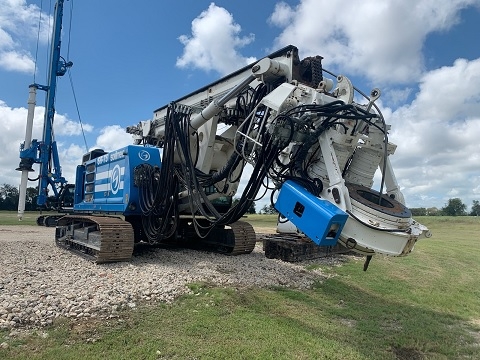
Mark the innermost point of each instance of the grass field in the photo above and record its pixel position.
(424, 306)
(11, 218)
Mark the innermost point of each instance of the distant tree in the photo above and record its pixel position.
(475, 208)
(455, 207)
(433, 211)
(9, 196)
(418, 211)
(31, 199)
(251, 209)
(269, 209)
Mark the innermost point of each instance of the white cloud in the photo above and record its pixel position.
(476, 189)
(6, 40)
(18, 116)
(112, 137)
(214, 42)
(21, 19)
(381, 40)
(457, 86)
(437, 136)
(13, 124)
(397, 96)
(19, 26)
(17, 61)
(282, 15)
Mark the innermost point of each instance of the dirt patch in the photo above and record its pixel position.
(402, 353)
(348, 322)
(475, 332)
(265, 230)
(391, 325)
(475, 322)
(21, 230)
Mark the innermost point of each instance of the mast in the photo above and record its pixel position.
(44, 152)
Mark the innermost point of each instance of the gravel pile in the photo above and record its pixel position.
(40, 282)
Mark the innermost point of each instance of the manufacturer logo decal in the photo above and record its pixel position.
(144, 155)
(115, 179)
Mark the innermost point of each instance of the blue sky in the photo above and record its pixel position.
(133, 57)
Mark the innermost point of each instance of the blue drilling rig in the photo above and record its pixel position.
(44, 152)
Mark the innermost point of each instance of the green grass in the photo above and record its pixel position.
(261, 220)
(11, 218)
(424, 306)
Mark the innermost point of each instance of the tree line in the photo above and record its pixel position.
(9, 198)
(454, 207)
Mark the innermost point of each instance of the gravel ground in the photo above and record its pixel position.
(40, 282)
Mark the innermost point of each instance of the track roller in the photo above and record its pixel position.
(234, 239)
(101, 239)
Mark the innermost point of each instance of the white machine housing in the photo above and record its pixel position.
(342, 160)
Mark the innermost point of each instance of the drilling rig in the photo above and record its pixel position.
(304, 133)
(45, 152)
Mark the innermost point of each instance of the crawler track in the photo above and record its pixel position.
(294, 248)
(245, 238)
(235, 239)
(101, 239)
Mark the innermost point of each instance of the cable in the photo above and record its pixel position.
(384, 130)
(38, 41)
(48, 44)
(184, 177)
(70, 30)
(178, 186)
(76, 106)
(194, 181)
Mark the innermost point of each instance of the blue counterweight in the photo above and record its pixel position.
(106, 184)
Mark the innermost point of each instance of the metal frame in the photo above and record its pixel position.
(45, 151)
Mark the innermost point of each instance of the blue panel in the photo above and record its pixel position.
(319, 219)
(117, 176)
(79, 184)
(108, 180)
(101, 184)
